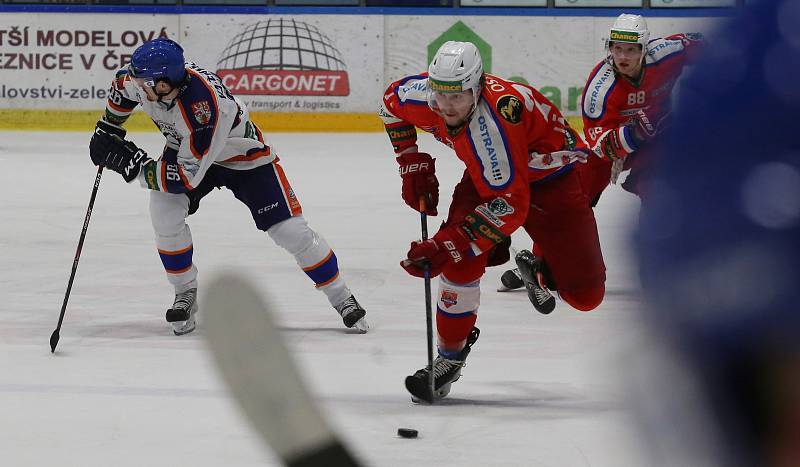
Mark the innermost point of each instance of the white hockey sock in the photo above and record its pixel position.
(314, 256)
(174, 239)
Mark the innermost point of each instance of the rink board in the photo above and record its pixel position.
(302, 72)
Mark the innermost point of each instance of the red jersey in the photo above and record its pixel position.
(515, 136)
(609, 99)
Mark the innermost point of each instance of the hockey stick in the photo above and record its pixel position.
(251, 356)
(56, 334)
(428, 312)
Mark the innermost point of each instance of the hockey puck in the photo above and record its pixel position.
(407, 432)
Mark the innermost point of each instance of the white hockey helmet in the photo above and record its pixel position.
(631, 29)
(456, 67)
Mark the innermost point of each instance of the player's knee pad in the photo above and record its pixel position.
(585, 299)
(295, 236)
(456, 309)
(311, 251)
(168, 213)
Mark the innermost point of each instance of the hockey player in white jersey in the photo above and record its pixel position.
(211, 143)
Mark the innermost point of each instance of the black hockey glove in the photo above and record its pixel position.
(121, 156)
(97, 150)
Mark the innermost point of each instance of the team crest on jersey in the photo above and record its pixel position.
(500, 207)
(449, 298)
(510, 108)
(168, 130)
(202, 112)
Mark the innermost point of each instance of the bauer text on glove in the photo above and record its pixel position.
(449, 245)
(419, 181)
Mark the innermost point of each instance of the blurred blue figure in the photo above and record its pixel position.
(719, 241)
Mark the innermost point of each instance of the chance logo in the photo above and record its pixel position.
(283, 57)
(623, 36)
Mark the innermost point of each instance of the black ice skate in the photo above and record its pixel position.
(353, 314)
(445, 372)
(532, 270)
(181, 315)
(511, 280)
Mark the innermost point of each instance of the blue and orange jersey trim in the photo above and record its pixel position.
(200, 111)
(288, 192)
(253, 154)
(163, 170)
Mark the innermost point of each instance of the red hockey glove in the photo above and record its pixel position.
(419, 180)
(449, 245)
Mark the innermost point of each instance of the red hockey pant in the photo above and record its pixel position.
(562, 225)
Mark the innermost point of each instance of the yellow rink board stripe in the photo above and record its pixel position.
(269, 122)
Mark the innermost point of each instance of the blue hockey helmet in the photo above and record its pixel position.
(159, 59)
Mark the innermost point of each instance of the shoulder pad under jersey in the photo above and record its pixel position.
(199, 96)
(659, 49)
(597, 91)
(413, 90)
(199, 107)
(491, 149)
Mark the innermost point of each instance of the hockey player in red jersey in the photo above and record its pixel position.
(211, 142)
(626, 103)
(627, 99)
(520, 157)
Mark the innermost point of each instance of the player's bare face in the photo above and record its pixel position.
(160, 89)
(154, 89)
(627, 58)
(454, 107)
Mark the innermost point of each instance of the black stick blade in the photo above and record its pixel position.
(54, 341)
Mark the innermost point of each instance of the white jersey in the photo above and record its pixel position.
(204, 125)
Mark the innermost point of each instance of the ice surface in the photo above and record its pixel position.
(122, 390)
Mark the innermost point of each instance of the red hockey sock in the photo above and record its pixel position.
(453, 331)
